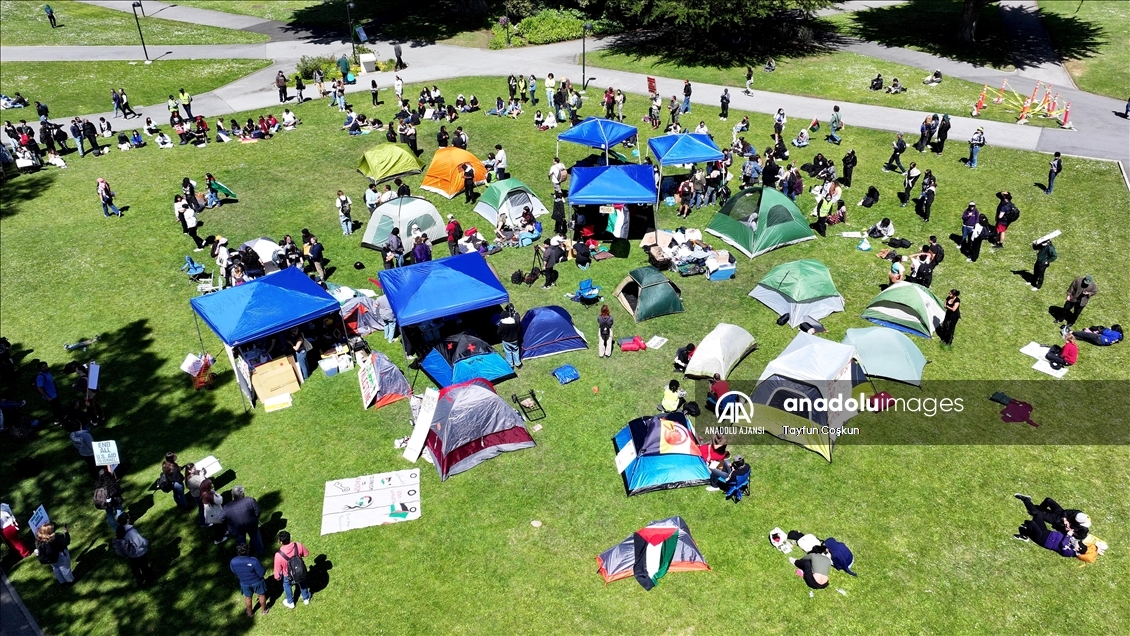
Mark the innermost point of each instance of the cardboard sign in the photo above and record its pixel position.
(92, 378)
(371, 500)
(106, 453)
(38, 518)
(625, 457)
(210, 465)
(369, 379)
(423, 423)
(651, 85)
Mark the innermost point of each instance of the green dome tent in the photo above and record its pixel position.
(389, 161)
(646, 293)
(508, 197)
(907, 307)
(886, 353)
(801, 289)
(757, 220)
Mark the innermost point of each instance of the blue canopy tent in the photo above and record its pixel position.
(260, 308)
(682, 148)
(660, 452)
(595, 132)
(608, 185)
(438, 289)
(549, 330)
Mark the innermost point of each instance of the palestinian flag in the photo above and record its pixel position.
(655, 547)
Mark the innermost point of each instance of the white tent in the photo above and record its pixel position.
(508, 197)
(720, 351)
(404, 213)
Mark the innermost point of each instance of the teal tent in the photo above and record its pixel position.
(886, 353)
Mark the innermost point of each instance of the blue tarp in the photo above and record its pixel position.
(595, 132)
(549, 330)
(666, 454)
(608, 185)
(265, 306)
(684, 148)
(442, 288)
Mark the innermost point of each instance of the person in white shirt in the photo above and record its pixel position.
(372, 197)
(557, 174)
(289, 121)
(500, 163)
(163, 140)
(344, 213)
(701, 128)
(388, 194)
(398, 87)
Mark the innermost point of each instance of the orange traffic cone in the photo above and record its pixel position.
(980, 101)
(1066, 122)
(1000, 96)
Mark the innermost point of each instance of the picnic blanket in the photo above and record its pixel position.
(1038, 351)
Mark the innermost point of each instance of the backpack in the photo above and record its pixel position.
(164, 483)
(296, 567)
(120, 547)
(47, 553)
(899, 242)
(458, 231)
(1011, 213)
(517, 277)
(100, 497)
(533, 276)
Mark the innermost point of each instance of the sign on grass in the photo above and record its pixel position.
(369, 379)
(371, 500)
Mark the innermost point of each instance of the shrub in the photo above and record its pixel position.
(552, 25)
(307, 64)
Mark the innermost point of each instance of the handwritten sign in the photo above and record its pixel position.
(38, 518)
(106, 453)
(371, 500)
(651, 85)
(369, 379)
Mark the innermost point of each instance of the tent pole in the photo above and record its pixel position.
(242, 398)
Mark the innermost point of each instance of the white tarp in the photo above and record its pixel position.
(371, 500)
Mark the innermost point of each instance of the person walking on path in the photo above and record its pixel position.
(51, 549)
(91, 134)
(186, 102)
(320, 82)
(604, 324)
(116, 99)
(127, 112)
(250, 573)
(943, 135)
(11, 531)
(835, 125)
(50, 15)
(1054, 168)
(1078, 293)
(280, 83)
(242, 515)
(344, 212)
(343, 66)
(299, 87)
(976, 142)
(291, 569)
(510, 331)
(1045, 255)
(399, 54)
(748, 80)
(686, 96)
(898, 146)
(130, 544)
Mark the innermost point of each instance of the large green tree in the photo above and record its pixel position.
(711, 17)
(970, 11)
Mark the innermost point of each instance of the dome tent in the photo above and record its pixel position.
(472, 424)
(646, 293)
(403, 213)
(665, 455)
(802, 289)
(757, 220)
(719, 352)
(907, 307)
(388, 161)
(464, 357)
(392, 385)
(549, 330)
(659, 548)
(886, 353)
(508, 197)
(445, 175)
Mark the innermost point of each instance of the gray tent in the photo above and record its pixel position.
(665, 545)
(361, 315)
(472, 424)
(392, 385)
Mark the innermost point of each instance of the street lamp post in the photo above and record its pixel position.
(584, 69)
(136, 6)
(352, 40)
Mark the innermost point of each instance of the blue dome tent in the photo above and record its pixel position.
(549, 330)
(663, 453)
(463, 357)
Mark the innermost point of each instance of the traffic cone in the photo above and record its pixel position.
(1024, 112)
(1000, 96)
(980, 102)
(1047, 97)
(1066, 122)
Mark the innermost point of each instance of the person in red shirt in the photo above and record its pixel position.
(454, 233)
(288, 550)
(1064, 356)
(715, 453)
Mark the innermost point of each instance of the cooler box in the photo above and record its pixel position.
(724, 272)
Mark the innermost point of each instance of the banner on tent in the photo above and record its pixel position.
(625, 457)
(371, 500)
(370, 380)
(423, 424)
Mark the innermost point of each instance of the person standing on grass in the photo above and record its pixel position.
(185, 101)
(106, 196)
(835, 125)
(133, 546)
(1007, 214)
(779, 121)
(83, 442)
(344, 212)
(898, 146)
(188, 223)
(91, 134)
(724, 101)
(280, 83)
(242, 515)
(469, 182)
(1045, 255)
(77, 134)
(11, 531)
(686, 96)
(291, 569)
(454, 233)
(51, 548)
(976, 142)
(1054, 168)
(848, 163)
(604, 324)
(110, 499)
(510, 332)
(968, 222)
(943, 135)
(372, 198)
(909, 179)
(500, 163)
(1078, 293)
(250, 573)
(50, 15)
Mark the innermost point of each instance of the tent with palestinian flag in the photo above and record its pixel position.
(651, 552)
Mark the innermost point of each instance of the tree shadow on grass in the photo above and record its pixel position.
(784, 37)
(20, 189)
(388, 20)
(1073, 39)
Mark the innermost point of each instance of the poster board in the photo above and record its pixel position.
(371, 500)
(106, 453)
(625, 457)
(423, 424)
(38, 518)
(369, 379)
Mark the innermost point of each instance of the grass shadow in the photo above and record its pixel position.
(20, 189)
(1073, 38)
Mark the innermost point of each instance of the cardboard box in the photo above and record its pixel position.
(275, 378)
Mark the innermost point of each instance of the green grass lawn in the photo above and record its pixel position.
(929, 524)
(280, 10)
(77, 88)
(1104, 66)
(80, 24)
(841, 75)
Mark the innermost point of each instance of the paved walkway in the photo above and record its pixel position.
(1101, 134)
(1033, 53)
(15, 620)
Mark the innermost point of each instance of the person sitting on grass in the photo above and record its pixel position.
(289, 121)
(1064, 356)
(683, 357)
(801, 139)
(895, 88)
(877, 83)
(136, 140)
(1063, 544)
(770, 66)
(150, 128)
(934, 79)
(814, 567)
(1100, 336)
(273, 124)
(54, 159)
(504, 231)
(163, 140)
(499, 108)
(673, 398)
(123, 142)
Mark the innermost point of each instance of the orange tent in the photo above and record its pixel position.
(445, 175)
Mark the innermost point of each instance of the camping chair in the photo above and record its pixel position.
(739, 488)
(587, 294)
(530, 406)
(195, 270)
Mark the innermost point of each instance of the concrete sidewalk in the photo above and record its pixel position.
(15, 619)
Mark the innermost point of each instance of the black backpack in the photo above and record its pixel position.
(296, 567)
(164, 483)
(458, 231)
(100, 497)
(47, 553)
(1011, 213)
(533, 276)
(517, 277)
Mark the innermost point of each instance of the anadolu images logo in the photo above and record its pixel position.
(734, 407)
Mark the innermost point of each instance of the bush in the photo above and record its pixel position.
(549, 26)
(307, 64)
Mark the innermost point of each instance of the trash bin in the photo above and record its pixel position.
(368, 63)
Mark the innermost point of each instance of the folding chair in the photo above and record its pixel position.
(739, 488)
(587, 294)
(192, 268)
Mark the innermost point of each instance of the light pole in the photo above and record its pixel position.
(136, 6)
(584, 69)
(349, 18)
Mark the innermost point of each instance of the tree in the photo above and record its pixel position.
(970, 11)
(711, 17)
